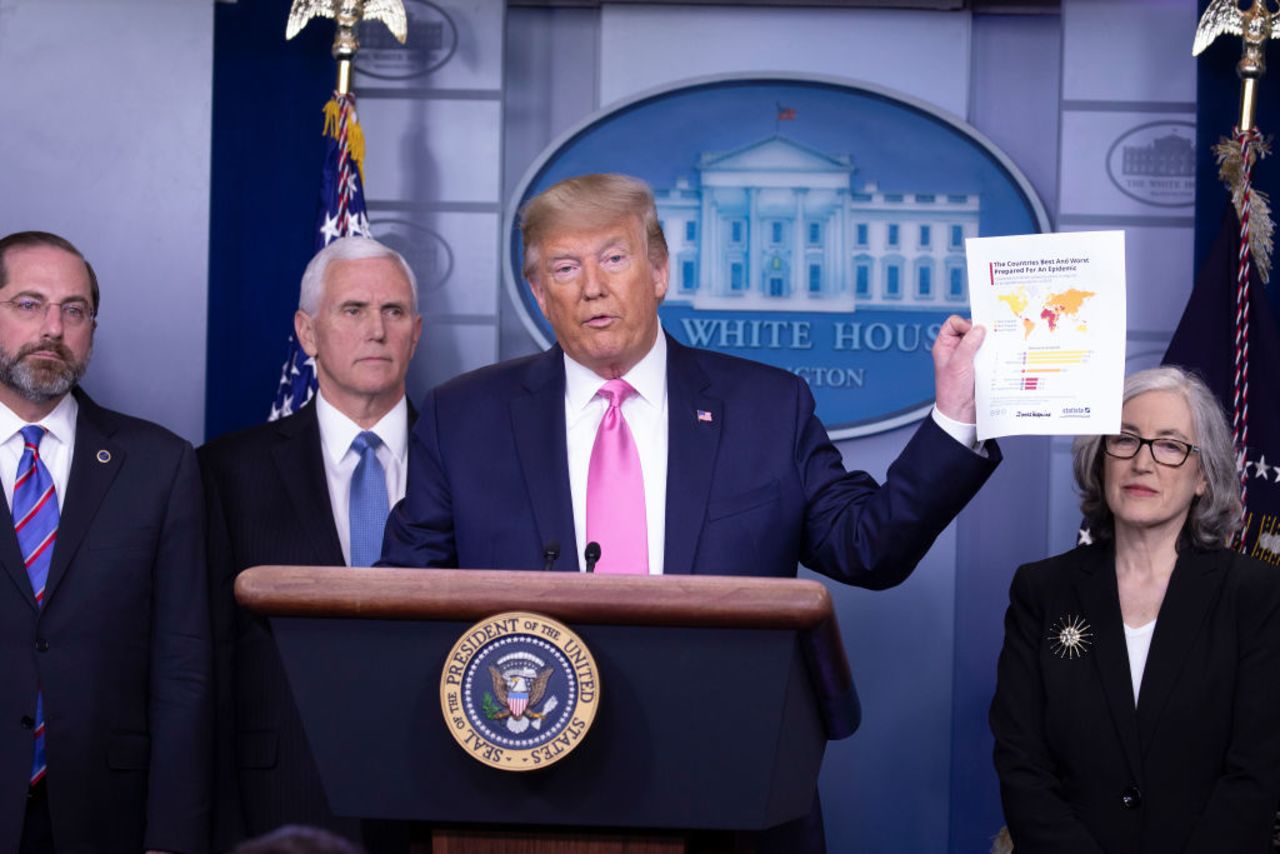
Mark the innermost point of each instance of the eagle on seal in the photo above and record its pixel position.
(520, 693)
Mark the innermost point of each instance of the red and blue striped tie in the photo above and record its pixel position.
(35, 515)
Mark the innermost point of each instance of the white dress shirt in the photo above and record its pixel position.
(646, 415)
(337, 432)
(56, 447)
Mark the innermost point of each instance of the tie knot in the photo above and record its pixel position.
(366, 441)
(32, 434)
(616, 391)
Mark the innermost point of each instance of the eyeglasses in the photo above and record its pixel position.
(1167, 452)
(31, 310)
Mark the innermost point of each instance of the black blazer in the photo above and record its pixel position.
(121, 649)
(268, 503)
(1196, 766)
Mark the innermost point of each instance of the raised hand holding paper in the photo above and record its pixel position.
(1054, 309)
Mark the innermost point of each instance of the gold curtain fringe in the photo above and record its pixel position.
(355, 144)
(355, 134)
(1231, 170)
(332, 117)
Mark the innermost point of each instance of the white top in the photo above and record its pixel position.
(337, 432)
(56, 448)
(646, 415)
(1139, 642)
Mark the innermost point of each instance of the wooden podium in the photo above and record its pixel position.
(717, 697)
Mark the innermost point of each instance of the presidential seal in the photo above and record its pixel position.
(519, 691)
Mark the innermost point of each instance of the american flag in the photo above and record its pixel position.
(1205, 341)
(341, 214)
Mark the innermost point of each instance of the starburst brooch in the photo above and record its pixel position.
(1070, 637)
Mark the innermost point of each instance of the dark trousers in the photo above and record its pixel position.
(37, 829)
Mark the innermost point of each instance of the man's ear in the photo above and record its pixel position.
(304, 328)
(538, 294)
(661, 278)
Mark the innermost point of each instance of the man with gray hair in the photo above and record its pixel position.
(313, 488)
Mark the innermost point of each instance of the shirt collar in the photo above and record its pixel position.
(61, 422)
(337, 431)
(648, 377)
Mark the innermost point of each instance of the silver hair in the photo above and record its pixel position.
(1214, 516)
(347, 249)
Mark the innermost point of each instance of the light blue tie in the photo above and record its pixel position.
(369, 506)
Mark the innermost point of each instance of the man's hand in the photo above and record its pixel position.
(953, 352)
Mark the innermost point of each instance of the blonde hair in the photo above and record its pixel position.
(589, 202)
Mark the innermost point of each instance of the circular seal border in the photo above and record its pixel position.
(500, 629)
(430, 67)
(1130, 132)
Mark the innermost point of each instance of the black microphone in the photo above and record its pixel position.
(592, 554)
(550, 552)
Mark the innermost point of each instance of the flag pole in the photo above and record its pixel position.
(1236, 158)
(348, 14)
(342, 211)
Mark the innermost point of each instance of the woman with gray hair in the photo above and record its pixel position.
(1137, 704)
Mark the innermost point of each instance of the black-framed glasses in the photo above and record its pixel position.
(1165, 451)
(75, 312)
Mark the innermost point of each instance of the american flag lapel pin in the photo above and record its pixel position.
(704, 416)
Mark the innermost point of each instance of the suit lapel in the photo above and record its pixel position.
(94, 465)
(299, 462)
(11, 557)
(693, 436)
(537, 420)
(1096, 587)
(1192, 591)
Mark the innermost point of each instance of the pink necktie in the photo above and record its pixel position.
(615, 491)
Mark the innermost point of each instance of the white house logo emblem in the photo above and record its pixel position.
(431, 43)
(1155, 163)
(519, 691)
(812, 224)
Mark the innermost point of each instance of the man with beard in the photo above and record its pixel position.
(105, 653)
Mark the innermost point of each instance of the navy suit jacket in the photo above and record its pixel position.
(1194, 768)
(121, 649)
(753, 490)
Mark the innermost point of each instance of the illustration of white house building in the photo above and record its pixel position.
(778, 226)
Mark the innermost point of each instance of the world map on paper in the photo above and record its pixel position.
(1047, 313)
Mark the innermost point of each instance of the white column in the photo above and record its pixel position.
(799, 264)
(754, 273)
(708, 256)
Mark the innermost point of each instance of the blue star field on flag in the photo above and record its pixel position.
(1205, 342)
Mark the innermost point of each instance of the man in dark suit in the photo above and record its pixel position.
(292, 492)
(718, 464)
(738, 476)
(104, 623)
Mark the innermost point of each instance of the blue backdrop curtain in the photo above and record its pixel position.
(268, 97)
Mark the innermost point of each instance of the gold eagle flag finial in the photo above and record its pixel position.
(1237, 155)
(1254, 26)
(347, 14)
